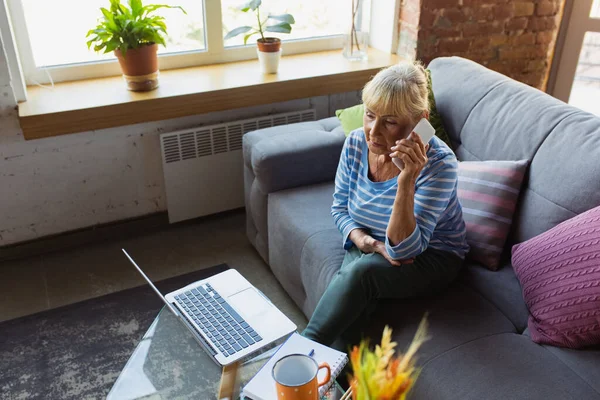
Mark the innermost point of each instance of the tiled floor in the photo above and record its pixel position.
(39, 283)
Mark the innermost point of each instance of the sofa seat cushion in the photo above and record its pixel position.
(294, 216)
(585, 363)
(456, 316)
(502, 366)
(501, 288)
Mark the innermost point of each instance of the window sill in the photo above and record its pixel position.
(105, 103)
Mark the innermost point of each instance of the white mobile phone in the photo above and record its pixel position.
(425, 132)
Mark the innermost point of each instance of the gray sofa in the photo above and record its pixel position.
(480, 347)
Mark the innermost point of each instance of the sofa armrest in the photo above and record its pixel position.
(284, 157)
(294, 155)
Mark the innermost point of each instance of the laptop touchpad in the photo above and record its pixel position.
(248, 303)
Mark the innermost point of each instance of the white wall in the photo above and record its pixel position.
(59, 184)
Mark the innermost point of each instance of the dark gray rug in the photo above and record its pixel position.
(77, 351)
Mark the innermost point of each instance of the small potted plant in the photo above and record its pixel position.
(268, 48)
(133, 33)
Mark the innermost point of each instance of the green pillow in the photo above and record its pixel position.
(435, 118)
(352, 117)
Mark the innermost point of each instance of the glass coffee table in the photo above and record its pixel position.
(168, 363)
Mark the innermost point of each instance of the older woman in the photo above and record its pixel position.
(403, 230)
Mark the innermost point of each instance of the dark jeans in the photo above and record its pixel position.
(363, 279)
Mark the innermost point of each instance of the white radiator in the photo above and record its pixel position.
(203, 167)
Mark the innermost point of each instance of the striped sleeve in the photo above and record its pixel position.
(432, 198)
(339, 209)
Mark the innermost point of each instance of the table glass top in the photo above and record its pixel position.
(168, 363)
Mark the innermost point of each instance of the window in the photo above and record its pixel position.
(186, 32)
(586, 83)
(314, 18)
(595, 11)
(50, 34)
(577, 80)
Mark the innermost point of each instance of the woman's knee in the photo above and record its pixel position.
(365, 268)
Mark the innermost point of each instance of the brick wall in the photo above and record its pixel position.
(515, 38)
(410, 12)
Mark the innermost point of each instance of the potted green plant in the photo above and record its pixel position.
(268, 48)
(133, 33)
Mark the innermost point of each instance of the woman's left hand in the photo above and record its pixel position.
(413, 152)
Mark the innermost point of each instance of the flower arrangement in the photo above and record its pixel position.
(379, 375)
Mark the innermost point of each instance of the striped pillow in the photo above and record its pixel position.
(488, 192)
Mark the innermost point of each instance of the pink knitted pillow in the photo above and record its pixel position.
(559, 272)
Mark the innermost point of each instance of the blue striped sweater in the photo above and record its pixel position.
(359, 203)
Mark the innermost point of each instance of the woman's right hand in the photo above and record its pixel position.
(368, 244)
(363, 241)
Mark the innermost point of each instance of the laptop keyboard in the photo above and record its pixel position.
(218, 320)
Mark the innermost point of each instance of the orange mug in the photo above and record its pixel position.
(295, 377)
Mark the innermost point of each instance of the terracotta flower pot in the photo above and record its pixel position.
(269, 53)
(269, 45)
(140, 67)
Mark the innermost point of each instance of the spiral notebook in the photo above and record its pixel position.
(262, 386)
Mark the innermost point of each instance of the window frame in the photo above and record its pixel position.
(383, 35)
(215, 52)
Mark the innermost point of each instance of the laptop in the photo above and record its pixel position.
(229, 317)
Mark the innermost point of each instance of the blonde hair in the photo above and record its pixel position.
(400, 90)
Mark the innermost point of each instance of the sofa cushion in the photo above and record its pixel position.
(559, 271)
(498, 118)
(563, 176)
(586, 363)
(498, 129)
(448, 75)
(351, 118)
(434, 116)
(294, 216)
(501, 288)
(457, 315)
(503, 366)
(488, 192)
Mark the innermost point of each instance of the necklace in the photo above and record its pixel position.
(375, 172)
(379, 174)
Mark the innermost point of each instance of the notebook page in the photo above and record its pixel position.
(262, 386)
